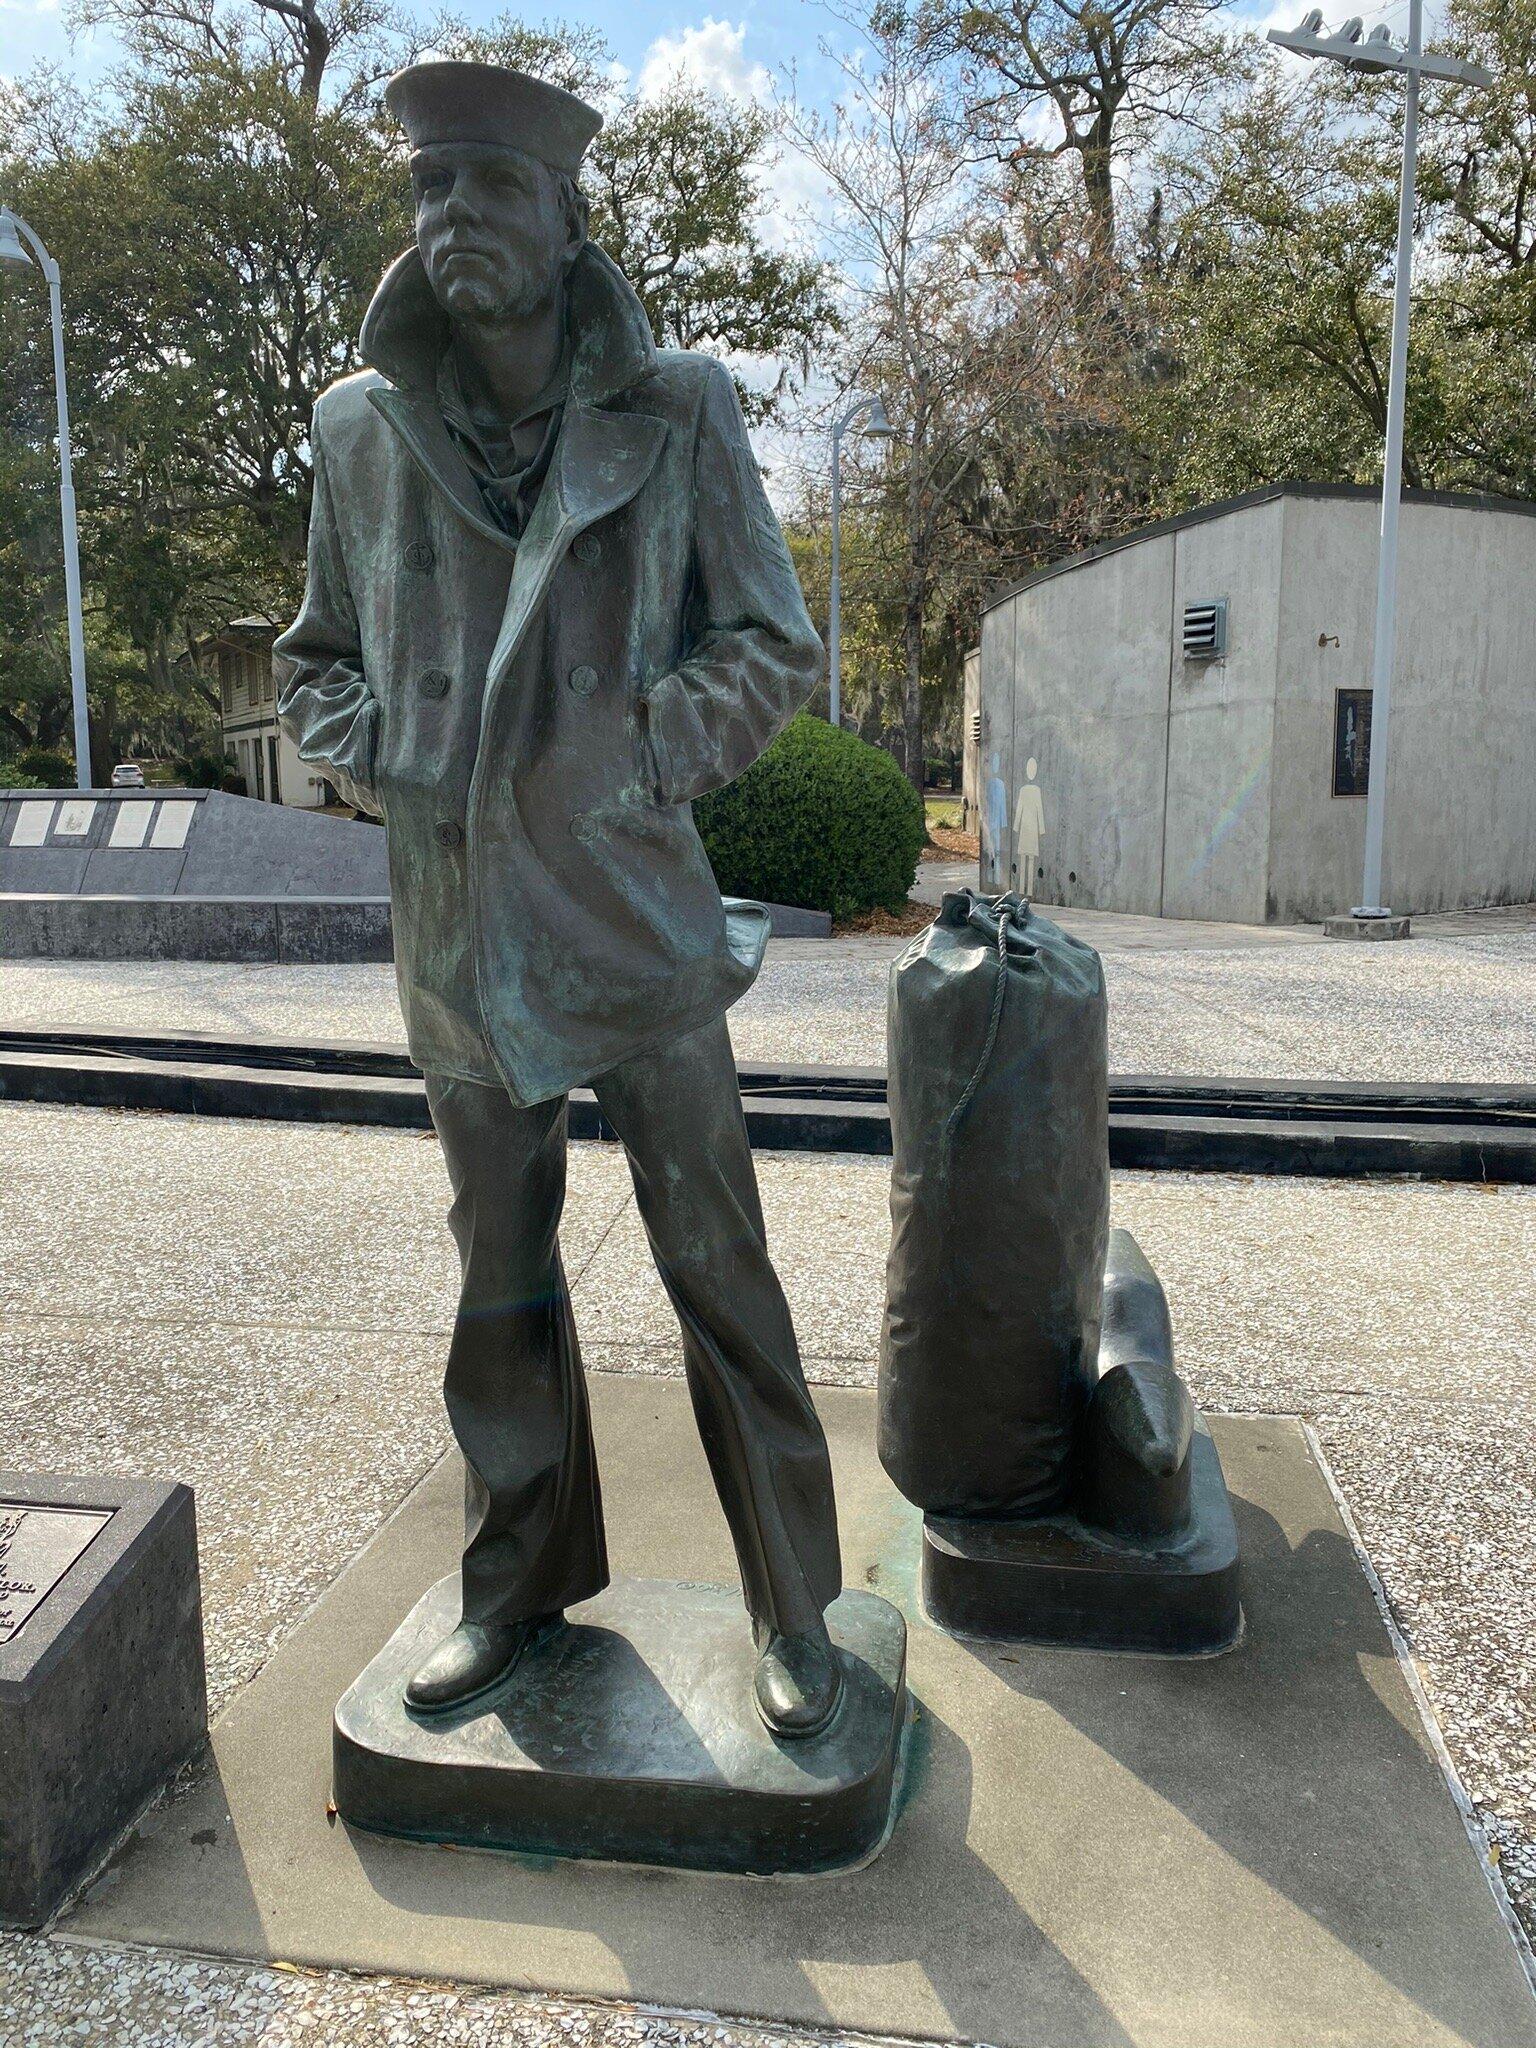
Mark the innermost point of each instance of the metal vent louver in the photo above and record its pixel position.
(975, 728)
(1205, 630)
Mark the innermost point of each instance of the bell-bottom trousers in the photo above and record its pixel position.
(514, 1387)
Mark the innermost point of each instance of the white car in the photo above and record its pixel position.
(127, 775)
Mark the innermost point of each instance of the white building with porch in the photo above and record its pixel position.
(253, 741)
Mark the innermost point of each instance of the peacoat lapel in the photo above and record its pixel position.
(418, 421)
(600, 462)
(601, 457)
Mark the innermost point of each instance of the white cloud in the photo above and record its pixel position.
(711, 54)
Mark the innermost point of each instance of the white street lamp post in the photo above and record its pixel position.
(1377, 52)
(879, 427)
(13, 229)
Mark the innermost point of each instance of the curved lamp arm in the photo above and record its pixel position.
(34, 241)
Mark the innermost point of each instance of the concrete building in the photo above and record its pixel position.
(1178, 724)
(970, 743)
(262, 753)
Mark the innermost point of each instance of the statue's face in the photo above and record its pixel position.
(497, 230)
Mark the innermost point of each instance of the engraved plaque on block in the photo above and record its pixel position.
(173, 824)
(32, 822)
(37, 1547)
(131, 823)
(75, 818)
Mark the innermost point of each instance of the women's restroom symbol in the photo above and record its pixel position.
(1028, 824)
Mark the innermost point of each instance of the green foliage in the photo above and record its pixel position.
(205, 771)
(12, 777)
(821, 821)
(220, 223)
(52, 769)
(1270, 298)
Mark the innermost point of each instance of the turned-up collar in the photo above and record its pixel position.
(406, 332)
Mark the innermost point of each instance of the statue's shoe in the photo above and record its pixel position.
(473, 1659)
(799, 1685)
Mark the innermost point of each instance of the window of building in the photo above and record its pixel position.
(226, 682)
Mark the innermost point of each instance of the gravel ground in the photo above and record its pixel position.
(1184, 999)
(260, 1308)
(52, 1994)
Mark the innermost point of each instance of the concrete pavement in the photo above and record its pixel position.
(260, 1309)
(1451, 1005)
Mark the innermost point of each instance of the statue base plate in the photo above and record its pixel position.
(1058, 1581)
(631, 1737)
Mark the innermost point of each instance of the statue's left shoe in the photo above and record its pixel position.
(798, 1687)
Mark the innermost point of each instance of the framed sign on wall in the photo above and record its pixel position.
(1351, 742)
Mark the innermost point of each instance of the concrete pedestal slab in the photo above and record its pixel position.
(1367, 928)
(1249, 1851)
(631, 1736)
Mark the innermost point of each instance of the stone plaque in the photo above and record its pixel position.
(173, 824)
(75, 818)
(131, 822)
(37, 1547)
(32, 822)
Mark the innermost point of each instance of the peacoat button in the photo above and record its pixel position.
(588, 547)
(434, 682)
(583, 826)
(449, 833)
(421, 555)
(583, 681)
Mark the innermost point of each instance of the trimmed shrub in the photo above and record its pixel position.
(822, 821)
(52, 769)
(12, 777)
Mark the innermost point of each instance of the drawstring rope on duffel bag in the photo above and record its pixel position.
(1005, 915)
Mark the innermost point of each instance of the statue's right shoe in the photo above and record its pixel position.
(474, 1659)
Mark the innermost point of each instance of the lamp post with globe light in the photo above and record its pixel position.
(16, 239)
(875, 424)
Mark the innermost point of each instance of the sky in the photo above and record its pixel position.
(734, 51)
(737, 52)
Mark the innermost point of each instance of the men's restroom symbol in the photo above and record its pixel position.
(994, 820)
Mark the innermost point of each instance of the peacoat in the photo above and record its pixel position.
(531, 719)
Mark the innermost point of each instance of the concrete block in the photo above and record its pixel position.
(241, 847)
(231, 928)
(101, 1671)
(324, 934)
(132, 871)
(788, 921)
(1367, 928)
(45, 870)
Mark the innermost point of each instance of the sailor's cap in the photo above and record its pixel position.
(454, 102)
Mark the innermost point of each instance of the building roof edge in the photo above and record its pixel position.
(1199, 515)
